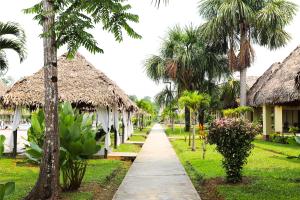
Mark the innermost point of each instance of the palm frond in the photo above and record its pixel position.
(154, 68)
(157, 3)
(13, 44)
(3, 61)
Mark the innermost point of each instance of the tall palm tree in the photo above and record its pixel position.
(12, 37)
(188, 61)
(242, 23)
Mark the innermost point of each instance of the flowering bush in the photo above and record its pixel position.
(233, 138)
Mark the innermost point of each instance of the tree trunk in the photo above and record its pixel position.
(190, 138)
(47, 185)
(243, 87)
(201, 117)
(203, 149)
(194, 133)
(187, 115)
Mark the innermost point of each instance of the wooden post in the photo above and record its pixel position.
(267, 121)
(278, 119)
(14, 154)
(115, 138)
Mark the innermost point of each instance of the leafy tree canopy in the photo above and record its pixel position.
(75, 19)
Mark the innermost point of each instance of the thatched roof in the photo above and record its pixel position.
(78, 82)
(3, 88)
(277, 84)
(251, 80)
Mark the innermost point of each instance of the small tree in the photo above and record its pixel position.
(194, 101)
(233, 137)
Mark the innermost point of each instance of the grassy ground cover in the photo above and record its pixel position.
(128, 148)
(178, 131)
(100, 182)
(269, 173)
(144, 131)
(137, 138)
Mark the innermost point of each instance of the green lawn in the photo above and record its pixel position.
(137, 138)
(145, 131)
(99, 172)
(128, 148)
(272, 175)
(179, 131)
(139, 135)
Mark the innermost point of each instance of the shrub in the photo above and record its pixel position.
(78, 143)
(2, 139)
(277, 138)
(294, 130)
(233, 138)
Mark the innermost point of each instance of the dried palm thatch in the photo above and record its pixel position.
(3, 88)
(250, 81)
(78, 82)
(278, 84)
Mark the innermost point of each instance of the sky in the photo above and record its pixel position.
(123, 62)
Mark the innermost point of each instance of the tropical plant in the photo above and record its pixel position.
(194, 101)
(167, 100)
(229, 93)
(237, 112)
(188, 61)
(78, 143)
(12, 37)
(36, 132)
(233, 138)
(6, 189)
(2, 140)
(69, 23)
(148, 107)
(239, 24)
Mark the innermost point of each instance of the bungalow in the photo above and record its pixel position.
(275, 96)
(86, 87)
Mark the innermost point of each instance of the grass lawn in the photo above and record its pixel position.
(101, 180)
(137, 138)
(145, 131)
(139, 135)
(272, 175)
(179, 131)
(128, 148)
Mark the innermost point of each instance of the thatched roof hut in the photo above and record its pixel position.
(277, 84)
(79, 82)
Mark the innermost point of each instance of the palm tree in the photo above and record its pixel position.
(12, 37)
(188, 61)
(230, 91)
(167, 99)
(242, 23)
(194, 101)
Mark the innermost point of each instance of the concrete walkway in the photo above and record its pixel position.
(156, 174)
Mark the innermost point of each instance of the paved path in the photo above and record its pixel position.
(156, 174)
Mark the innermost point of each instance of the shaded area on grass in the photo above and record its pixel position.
(271, 175)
